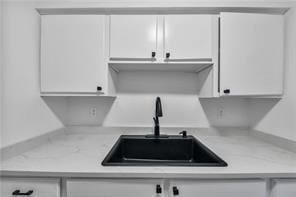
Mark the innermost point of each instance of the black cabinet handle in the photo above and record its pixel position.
(175, 191)
(158, 189)
(226, 91)
(167, 55)
(153, 54)
(99, 88)
(19, 193)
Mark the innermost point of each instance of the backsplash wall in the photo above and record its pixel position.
(138, 110)
(1, 71)
(135, 103)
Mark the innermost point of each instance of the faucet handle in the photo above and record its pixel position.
(184, 133)
(156, 122)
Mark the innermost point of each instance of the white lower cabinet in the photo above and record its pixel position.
(284, 188)
(113, 188)
(50, 187)
(32, 187)
(217, 188)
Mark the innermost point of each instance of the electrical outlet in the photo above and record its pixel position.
(220, 112)
(93, 111)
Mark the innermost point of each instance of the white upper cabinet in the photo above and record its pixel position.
(72, 53)
(189, 37)
(251, 54)
(133, 37)
(182, 37)
(217, 188)
(244, 51)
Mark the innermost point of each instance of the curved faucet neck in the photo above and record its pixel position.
(158, 113)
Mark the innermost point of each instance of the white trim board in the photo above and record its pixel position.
(162, 10)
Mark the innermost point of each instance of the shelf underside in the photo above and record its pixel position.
(178, 67)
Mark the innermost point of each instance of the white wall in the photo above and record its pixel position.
(25, 114)
(135, 103)
(138, 110)
(280, 120)
(1, 72)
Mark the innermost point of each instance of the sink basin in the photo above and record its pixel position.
(140, 150)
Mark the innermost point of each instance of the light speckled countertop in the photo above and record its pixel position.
(80, 153)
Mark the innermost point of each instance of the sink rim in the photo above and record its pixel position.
(220, 162)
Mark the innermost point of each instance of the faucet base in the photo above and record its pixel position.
(156, 136)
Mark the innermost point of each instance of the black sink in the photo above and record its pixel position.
(140, 150)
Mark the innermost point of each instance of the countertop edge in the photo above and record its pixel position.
(156, 175)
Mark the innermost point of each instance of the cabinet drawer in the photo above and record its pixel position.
(284, 188)
(113, 188)
(215, 188)
(36, 187)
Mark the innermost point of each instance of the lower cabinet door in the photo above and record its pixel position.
(218, 188)
(114, 188)
(29, 187)
(284, 188)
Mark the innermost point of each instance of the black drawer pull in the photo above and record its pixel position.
(167, 55)
(153, 54)
(175, 191)
(18, 193)
(158, 189)
(99, 88)
(226, 91)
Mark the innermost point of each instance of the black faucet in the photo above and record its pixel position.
(158, 113)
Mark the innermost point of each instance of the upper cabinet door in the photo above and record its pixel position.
(251, 54)
(72, 53)
(189, 37)
(133, 37)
